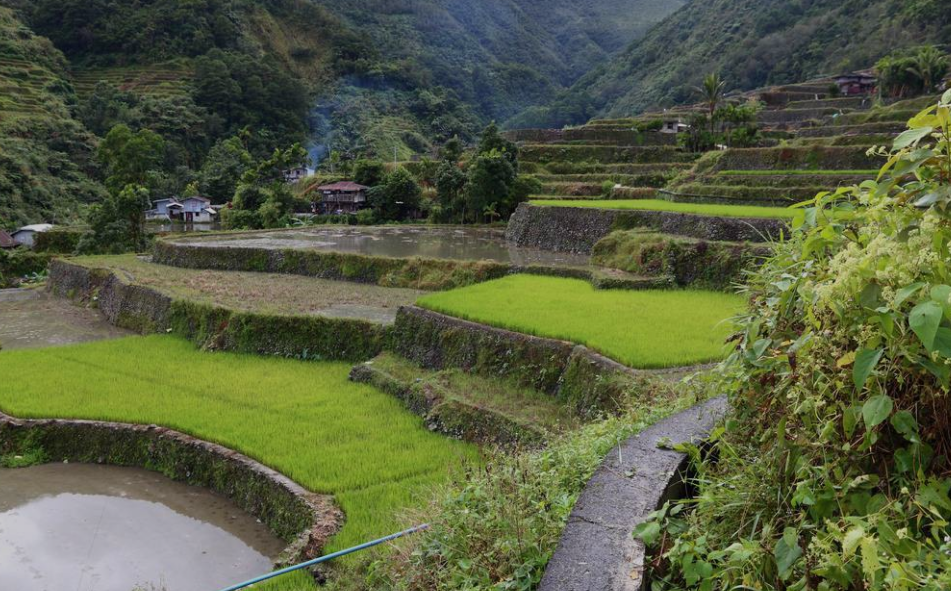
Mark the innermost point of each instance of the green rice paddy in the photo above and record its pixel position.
(738, 211)
(304, 419)
(643, 329)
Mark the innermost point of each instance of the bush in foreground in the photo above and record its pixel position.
(833, 473)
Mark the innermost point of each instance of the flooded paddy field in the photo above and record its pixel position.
(31, 318)
(85, 527)
(397, 242)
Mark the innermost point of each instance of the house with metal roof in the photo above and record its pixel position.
(26, 235)
(342, 197)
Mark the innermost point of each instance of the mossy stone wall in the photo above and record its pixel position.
(589, 383)
(146, 310)
(576, 229)
(305, 520)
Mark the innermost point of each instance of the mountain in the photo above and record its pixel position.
(46, 156)
(752, 43)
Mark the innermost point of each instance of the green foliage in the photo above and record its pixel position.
(46, 158)
(225, 165)
(374, 456)
(496, 527)
(118, 224)
(397, 198)
(19, 264)
(644, 329)
(58, 241)
(906, 74)
(697, 263)
(263, 199)
(129, 157)
(833, 473)
(369, 173)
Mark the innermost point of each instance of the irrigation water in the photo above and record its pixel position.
(434, 242)
(81, 527)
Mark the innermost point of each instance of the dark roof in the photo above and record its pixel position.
(855, 76)
(344, 187)
(6, 241)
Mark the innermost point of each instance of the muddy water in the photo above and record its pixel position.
(33, 318)
(80, 527)
(400, 242)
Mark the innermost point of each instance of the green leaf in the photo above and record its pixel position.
(851, 542)
(648, 532)
(942, 342)
(924, 320)
(865, 362)
(876, 409)
(787, 552)
(904, 293)
(941, 294)
(904, 422)
(912, 136)
(938, 370)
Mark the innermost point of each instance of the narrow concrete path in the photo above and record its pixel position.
(597, 551)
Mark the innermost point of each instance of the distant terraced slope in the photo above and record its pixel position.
(752, 43)
(45, 155)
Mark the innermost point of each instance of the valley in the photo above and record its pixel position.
(440, 295)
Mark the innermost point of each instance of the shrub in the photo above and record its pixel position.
(833, 471)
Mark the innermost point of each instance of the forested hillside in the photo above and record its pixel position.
(46, 157)
(752, 43)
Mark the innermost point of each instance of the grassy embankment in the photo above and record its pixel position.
(305, 419)
(266, 293)
(643, 329)
(736, 211)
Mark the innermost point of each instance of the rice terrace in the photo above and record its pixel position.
(613, 295)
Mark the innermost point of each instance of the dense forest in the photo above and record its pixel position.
(751, 43)
(376, 79)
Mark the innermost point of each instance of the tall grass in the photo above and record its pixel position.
(712, 209)
(643, 329)
(305, 419)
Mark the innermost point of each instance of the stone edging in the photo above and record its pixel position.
(584, 380)
(147, 310)
(578, 229)
(597, 551)
(304, 519)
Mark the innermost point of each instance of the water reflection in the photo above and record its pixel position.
(400, 242)
(103, 528)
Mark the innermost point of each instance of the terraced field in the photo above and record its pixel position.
(24, 88)
(166, 80)
(711, 209)
(305, 419)
(642, 329)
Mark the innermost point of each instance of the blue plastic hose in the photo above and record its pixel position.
(328, 557)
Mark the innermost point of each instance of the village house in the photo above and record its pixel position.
(190, 210)
(342, 197)
(26, 235)
(296, 175)
(856, 84)
(674, 126)
(7, 241)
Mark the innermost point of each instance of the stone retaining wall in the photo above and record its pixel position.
(587, 382)
(597, 551)
(146, 310)
(306, 520)
(578, 229)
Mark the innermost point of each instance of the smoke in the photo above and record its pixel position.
(321, 135)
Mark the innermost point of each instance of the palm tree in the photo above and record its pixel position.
(711, 92)
(929, 65)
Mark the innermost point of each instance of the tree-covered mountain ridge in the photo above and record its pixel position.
(751, 44)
